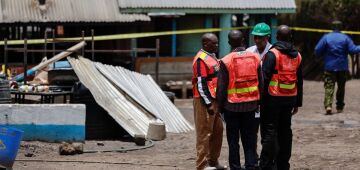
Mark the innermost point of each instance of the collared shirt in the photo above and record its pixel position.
(254, 49)
(334, 48)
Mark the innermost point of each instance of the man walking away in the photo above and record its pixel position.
(283, 85)
(334, 48)
(238, 94)
(208, 124)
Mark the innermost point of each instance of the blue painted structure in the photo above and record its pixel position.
(225, 22)
(53, 133)
(46, 122)
(173, 39)
(273, 27)
(208, 21)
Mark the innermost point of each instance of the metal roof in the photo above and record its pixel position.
(111, 87)
(211, 6)
(24, 11)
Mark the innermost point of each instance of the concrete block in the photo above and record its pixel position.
(46, 122)
(156, 131)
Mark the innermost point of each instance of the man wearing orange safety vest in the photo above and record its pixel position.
(283, 87)
(208, 123)
(238, 95)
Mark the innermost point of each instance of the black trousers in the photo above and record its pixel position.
(241, 124)
(276, 138)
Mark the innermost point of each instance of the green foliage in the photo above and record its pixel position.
(320, 14)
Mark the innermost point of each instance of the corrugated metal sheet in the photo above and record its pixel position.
(144, 90)
(124, 112)
(215, 4)
(65, 11)
(108, 83)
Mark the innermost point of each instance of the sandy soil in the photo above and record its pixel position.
(320, 142)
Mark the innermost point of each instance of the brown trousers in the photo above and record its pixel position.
(209, 134)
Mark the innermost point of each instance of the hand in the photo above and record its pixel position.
(210, 110)
(294, 111)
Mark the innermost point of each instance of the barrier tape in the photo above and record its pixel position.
(153, 34)
(121, 36)
(322, 30)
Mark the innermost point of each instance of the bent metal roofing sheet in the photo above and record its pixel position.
(110, 85)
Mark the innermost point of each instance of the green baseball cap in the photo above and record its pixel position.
(261, 29)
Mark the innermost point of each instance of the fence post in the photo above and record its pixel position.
(157, 60)
(82, 39)
(133, 53)
(25, 60)
(5, 55)
(45, 43)
(92, 45)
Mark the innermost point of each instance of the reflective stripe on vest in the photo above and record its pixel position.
(242, 90)
(283, 86)
(203, 56)
(243, 76)
(283, 83)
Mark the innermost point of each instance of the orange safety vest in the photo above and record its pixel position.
(213, 67)
(284, 82)
(243, 76)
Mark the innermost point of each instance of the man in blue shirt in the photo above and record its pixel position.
(334, 48)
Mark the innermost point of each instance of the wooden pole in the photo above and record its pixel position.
(82, 39)
(157, 60)
(92, 45)
(5, 55)
(25, 60)
(51, 60)
(53, 45)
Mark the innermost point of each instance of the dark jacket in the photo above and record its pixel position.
(221, 91)
(268, 68)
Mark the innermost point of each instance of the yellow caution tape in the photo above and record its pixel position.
(153, 34)
(322, 30)
(121, 36)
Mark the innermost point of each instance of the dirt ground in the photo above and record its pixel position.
(320, 142)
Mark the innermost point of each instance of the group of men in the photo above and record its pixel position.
(264, 77)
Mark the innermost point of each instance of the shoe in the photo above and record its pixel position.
(328, 110)
(339, 110)
(216, 165)
(221, 167)
(209, 168)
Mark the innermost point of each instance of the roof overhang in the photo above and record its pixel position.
(207, 10)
